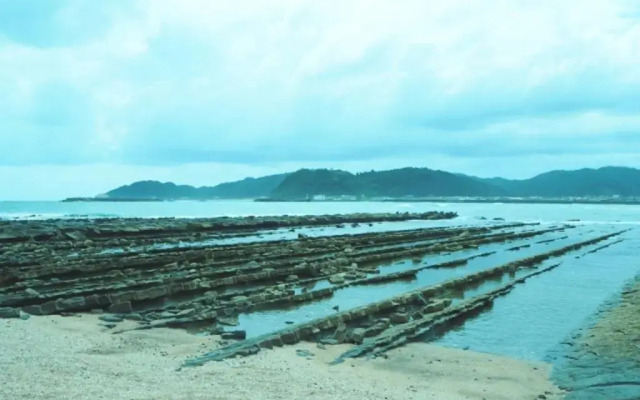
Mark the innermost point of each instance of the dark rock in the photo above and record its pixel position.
(351, 275)
(234, 335)
(49, 307)
(8, 312)
(69, 314)
(110, 318)
(216, 330)
(357, 335)
(228, 321)
(133, 317)
(92, 301)
(74, 303)
(151, 293)
(436, 306)
(375, 330)
(76, 235)
(186, 313)
(248, 351)
(341, 333)
(289, 337)
(33, 310)
(304, 353)
(121, 308)
(399, 318)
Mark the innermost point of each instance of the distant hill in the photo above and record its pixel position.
(154, 190)
(606, 181)
(248, 188)
(421, 182)
(306, 182)
(416, 182)
(397, 183)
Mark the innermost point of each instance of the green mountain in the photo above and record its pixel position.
(248, 188)
(416, 182)
(153, 190)
(606, 181)
(421, 182)
(306, 182)
(405, 182)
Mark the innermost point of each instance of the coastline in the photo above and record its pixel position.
(153, 282)
(454, 200)
(603, 360)
(76, 359)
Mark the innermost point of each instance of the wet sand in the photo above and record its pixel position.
(603, 361)
(53, 357)
(617, 333)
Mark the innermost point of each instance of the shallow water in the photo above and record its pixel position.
(262, 322)
(534, 317)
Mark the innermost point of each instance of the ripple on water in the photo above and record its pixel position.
(535, 317)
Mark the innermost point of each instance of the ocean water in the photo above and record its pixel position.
(545, 213)
(536, 316)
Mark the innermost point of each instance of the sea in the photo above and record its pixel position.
(543, 213)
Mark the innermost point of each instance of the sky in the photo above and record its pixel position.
(96, 94)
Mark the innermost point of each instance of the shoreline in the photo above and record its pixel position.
(602, 360)
(76, 359)
(119, 291)
(453, 200)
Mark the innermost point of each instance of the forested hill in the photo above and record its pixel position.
(607, 181)
(248, 188)
(417, 182)
(398, 183)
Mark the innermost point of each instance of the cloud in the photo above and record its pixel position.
(178, 82)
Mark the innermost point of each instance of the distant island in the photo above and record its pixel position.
(603, 185)
(109, 199)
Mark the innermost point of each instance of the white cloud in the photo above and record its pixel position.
(181, 81)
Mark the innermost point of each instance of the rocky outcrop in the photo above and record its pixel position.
(172, 274)
(411, 315)
(80, 231)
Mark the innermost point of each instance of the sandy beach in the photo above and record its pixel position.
(53, 357)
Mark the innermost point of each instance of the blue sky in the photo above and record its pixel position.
(98, 94)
